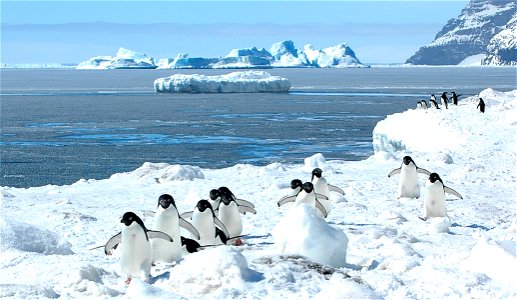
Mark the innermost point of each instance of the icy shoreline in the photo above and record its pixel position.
(391, 253)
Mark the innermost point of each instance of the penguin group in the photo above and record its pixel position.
(444, 102)
(434, 196)
(208, 224)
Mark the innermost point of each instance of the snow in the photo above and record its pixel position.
(371, 246)
(473, 60)
(235, 82)
(125, 59)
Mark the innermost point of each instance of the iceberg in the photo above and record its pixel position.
(125, 59)
(236, 82)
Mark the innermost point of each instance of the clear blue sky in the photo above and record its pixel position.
(62, 31)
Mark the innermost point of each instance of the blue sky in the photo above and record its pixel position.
(73, 31)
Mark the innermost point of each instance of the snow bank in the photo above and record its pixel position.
(303, 232)
(29, 238)
(236, 82)
(163, 172)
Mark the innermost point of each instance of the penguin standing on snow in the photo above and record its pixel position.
(408, 185)
(423, 104)
(167, 219)
(434, 199)
(455, 98)
(445, 100)
(135, 248)
(308, 196)
(322, 187)
(207, 224)
(432, 102)
(481, 105)
(229, 212)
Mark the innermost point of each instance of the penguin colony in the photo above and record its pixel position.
(217, 221)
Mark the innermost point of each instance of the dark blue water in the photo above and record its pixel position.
(58, 126)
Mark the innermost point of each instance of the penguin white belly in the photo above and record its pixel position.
(408, 184)
(231, 218)
(434, 203)
(321, 187)
(166, 251)
(136, 253)
(204, 223)
(304, 197)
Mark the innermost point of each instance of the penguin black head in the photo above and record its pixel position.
(226, 195)
(165, 201)
(214, 194)
(407, 160)
(296, 183)
(308, 187)
(129, 217)
(434, 177)
(203, 205)
(317, 172)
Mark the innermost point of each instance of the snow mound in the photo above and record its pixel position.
(163, 172)
(220, 270)
(235, 82)
(316, 161)
(313, 237)
(29, 238)
(496, 259)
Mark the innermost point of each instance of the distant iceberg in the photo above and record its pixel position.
(125, 59)
(281, 55)
(236, 82)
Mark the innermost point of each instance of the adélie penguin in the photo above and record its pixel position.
(135, 248)
(408, 184)
(207, 223)
(445, 100)
(229, 212)
(434, 198)
(322, 187)
(167, 219)
(308, 196)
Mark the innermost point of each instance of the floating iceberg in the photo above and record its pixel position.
(236, 82)
(125, 59)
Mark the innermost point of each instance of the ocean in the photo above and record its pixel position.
(62, 125)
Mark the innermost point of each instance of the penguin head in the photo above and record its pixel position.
(226, 195)
(165, 201)
(129, 217)
(434, 177)
(296, 183)
(214, 194)
(317, 172)
(407, 160)
(203, 205)
(308, 187)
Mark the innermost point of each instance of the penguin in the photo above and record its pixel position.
(419, 105)
(243, 205)
(444, 100)
(308, 196)
(229, 213)
(408, 185)
(168, 220)
(207, 223)
(423, 104)
(433, 103)
(481, 105)
(135, 248)
(434, 199)
(323, 188)
(455, 98)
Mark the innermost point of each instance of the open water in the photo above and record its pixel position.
(62, 125)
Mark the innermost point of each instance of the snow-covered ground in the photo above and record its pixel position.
(46, 233)
(235, 82)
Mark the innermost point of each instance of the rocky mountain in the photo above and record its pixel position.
(475, 31)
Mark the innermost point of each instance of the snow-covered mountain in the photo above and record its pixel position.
(281, 55)
(471, 33)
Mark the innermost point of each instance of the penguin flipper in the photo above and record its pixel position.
(448, 190)
(286, 199)
(153, 234)
(320, 196)
(191, 245)
(423, 171)
(394, 172)
(244, 203)
(245, 209)
(220, 224)
(149, 213)
(224, 238)
(185, 224)
(321, 208)
(187, 215)
(336, 189)
(112, 243)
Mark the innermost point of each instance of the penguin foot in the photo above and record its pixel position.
(238, 242)
(128, 280)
